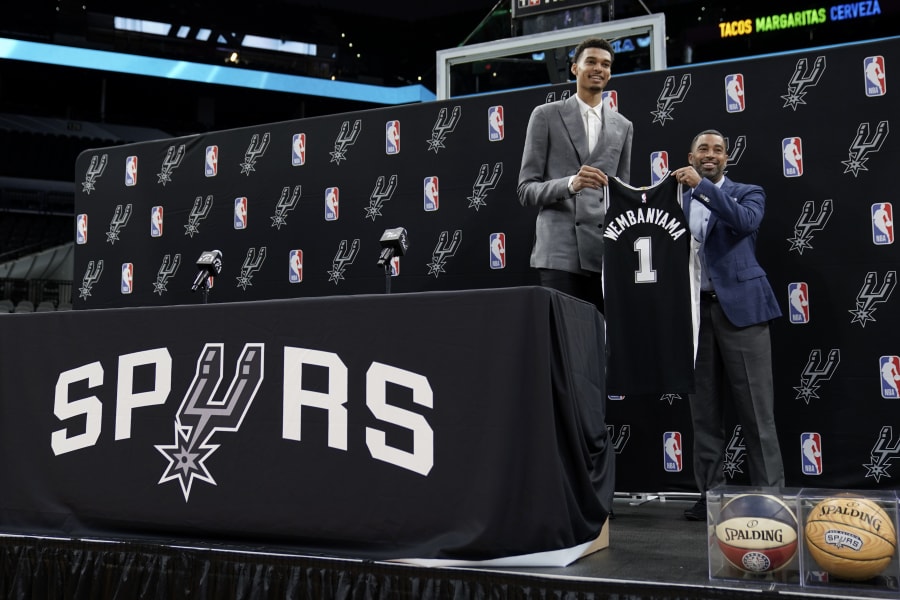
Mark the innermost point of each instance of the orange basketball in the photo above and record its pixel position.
(757, 533)
(851, 538)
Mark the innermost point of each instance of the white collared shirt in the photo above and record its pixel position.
(592, 116)
(699, 222)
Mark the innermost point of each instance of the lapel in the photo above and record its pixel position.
(713, 219)
(574, 124)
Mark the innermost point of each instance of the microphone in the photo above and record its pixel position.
(210, 265)
(394, 242)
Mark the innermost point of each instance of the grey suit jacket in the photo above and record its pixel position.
(568, 232)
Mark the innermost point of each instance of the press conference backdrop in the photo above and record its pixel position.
(297, 209)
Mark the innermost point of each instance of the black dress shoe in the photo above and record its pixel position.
(697, 512)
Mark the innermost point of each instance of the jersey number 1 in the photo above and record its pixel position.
(645, 273)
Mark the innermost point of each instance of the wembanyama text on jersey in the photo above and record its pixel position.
(650, 289)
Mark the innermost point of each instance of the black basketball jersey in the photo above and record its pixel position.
(648, 296)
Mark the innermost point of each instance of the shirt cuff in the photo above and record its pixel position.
(571, 181)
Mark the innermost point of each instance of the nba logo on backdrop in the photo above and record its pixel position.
(81, 229)
(498, 250)
(131, 171)
(876, 78)
(798, 302)
(890, 376)
(395, 266)
(496, 129)
(734, 93)
(811, 453)
(431, 194)
(156, 221)
(882, 223)
(211, 165)
(127, 278)
(792, 156)
(240, 212)
(672, 451)
(298, 150)
(332, 203)
(610, 100)
(295, 266)
(659, 166)
(392, 137)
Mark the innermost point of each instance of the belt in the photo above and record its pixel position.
(708, 296)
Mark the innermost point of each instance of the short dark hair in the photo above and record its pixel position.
(706, 132)
(593, 43)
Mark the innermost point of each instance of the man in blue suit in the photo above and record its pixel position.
(734, 353)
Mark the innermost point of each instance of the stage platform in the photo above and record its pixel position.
(653, 553)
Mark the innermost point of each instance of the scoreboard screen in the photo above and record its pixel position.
(527, 8)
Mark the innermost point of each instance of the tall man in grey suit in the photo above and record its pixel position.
(571, 148)
(734, 353)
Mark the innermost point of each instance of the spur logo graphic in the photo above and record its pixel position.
(815, 372)
(735, 451)
(669, 96)
(345, 138)
(564, 95)
(620, 440)
(444, 249)
(808, 222)
(286, 203)
(91, 276)
(255, 151)
(863, 145)
(201, 415)
(483, 184)
(380, 194)
(883, 452)
(167, 270)
(801, 80)
(343, 258)
(882, 223)
(443, 127)
(736, 151)
(868, 296)
(118, 222)
(670, 398)
(94, 172)
(253, 262)
(198, 213)
(172, 161)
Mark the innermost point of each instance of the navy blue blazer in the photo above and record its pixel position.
(730, 250)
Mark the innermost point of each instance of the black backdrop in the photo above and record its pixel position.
(836, 397)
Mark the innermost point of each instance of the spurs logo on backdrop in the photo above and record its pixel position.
(863, 145)
(381, 194)
(483, 184)
(201, 415)
(255, 151)
(253, 261)
(808, 222)
(734, 453)
(94, 172)
(815, 372)
(286, 203)
(167, 270)
(801, 80)
(618, 441)
(171, 162)
(198, 213)
(343, 258)
(345, 138)
(443, 127)
(883, 452)
(118, 222)
(670, 398)
(669, 96)
(551, 96)
(735, 152)
(91, 276)
(868, 296)
(442, 251)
